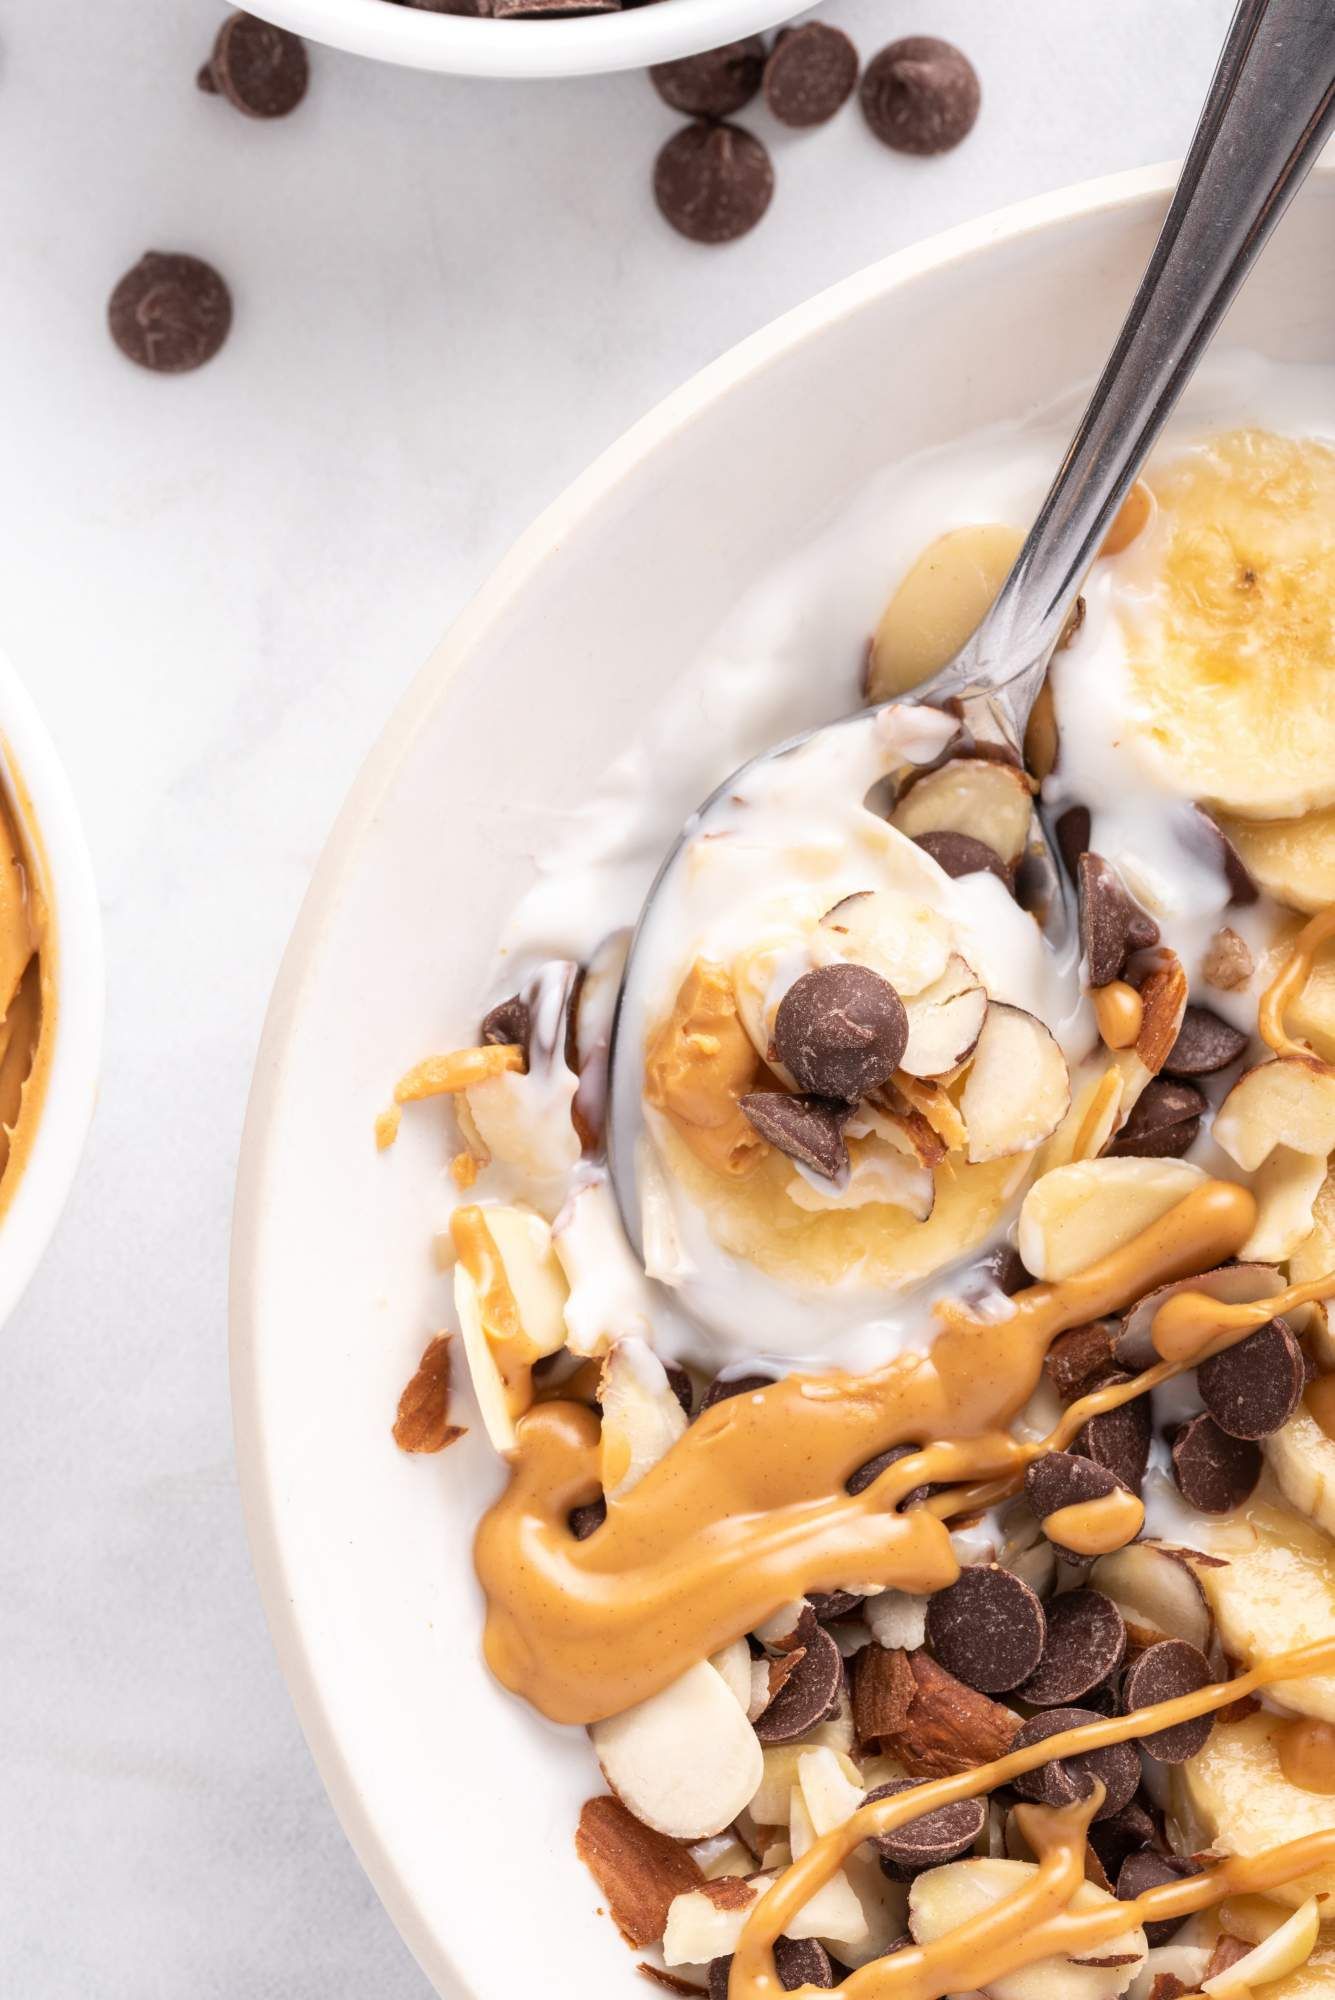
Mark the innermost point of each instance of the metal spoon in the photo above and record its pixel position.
(1268, 112)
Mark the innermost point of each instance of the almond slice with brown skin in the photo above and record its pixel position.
(1018, 1087)
(1287, 1102)
(945, 1021)
(975, 795)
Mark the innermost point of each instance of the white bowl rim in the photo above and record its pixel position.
(35, 1206)
(749, 358)
(589, 45)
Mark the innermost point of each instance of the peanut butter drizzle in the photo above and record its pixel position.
(1119, 1011)
(1190, 1327)
(1306, 1752)
(1289, 982)
(1097, 1527)
(749, 1509)
(1036, 1923)
(699, 1064)
(1319, 1403)
(28, 950)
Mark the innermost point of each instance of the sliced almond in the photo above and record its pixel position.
(1079, 1213)
(1156, 1591)
(642, 1418)
(639, 1871)
(885, 1909)
(685, 1761)
(945, 1021)
(896, 934)
(422, 1421)
(900, 1126)
(830, 1795)
(1282, 1952)
(934, 1103)
(942, 1899)
(533, 1272)
(974, 795)
(707, 1922)
(769, 1806)
(937, 604)
(834, 1912)
(526, 1120)
(734, 1664)
(1240, 1284)
(1163, 1002)
(496, 1404)
(1287, 1102)
(1018, 1088)
(722, 1854)
(1286, 1187)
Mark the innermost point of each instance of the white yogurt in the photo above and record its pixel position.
(797, 834)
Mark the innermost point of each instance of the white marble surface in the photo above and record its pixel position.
(449, 296)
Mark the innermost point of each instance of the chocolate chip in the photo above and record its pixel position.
(811, 73)
(713, 182)
(170, 312)
(1007, 1269)
(1204, 1044)
(1066, 1779)
(551, 10)
(859, 1481)
(1162, 1673)
(808, 1692)
(828, 1604)
(1204, 837)
(680, 1384)
(1111, 924)
(1140, 1872)
(798, 1962)
(260, 69)
(1081, 1359)
(959, 854)
(841, 1030)
(725, 1385)
(508, 1023)
(1252, 1390)
(1119, 1438)
(1214, 1472)
(1073, 831)
(1085, 1644)
(1165, 1121)
(987, 1628)
(934, 1837)
(807, 1128)
(920, 95)
(585, 1520)
(715, 83)
(1125, 1833)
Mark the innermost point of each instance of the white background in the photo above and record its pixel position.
(449, 296)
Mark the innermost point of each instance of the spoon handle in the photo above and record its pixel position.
(1270, 106)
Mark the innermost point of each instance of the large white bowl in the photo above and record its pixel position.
(33, 772)
(459, 1802)
(585, 46)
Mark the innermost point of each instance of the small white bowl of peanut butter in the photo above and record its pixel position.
(51, 988)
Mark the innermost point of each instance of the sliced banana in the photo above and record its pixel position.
(1292, 859)
(1302, 1459)
(686, 1761)
(1074, 1215)
(1275, 1593)
(1246, 1804)
(1236, 680)
(942, 1899)
(938, 604)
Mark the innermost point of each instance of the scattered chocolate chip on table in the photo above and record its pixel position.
(714, 84)
(170, 312)
(811, 73)
(921, 95)
(261, 70)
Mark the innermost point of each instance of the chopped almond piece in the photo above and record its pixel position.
(639, 1871)
(1227, 1951)
(423, 1419)
(1167, 1986)
(1163, 1001)
(1077, 1360)
(947, 1726)
(883, 1690)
